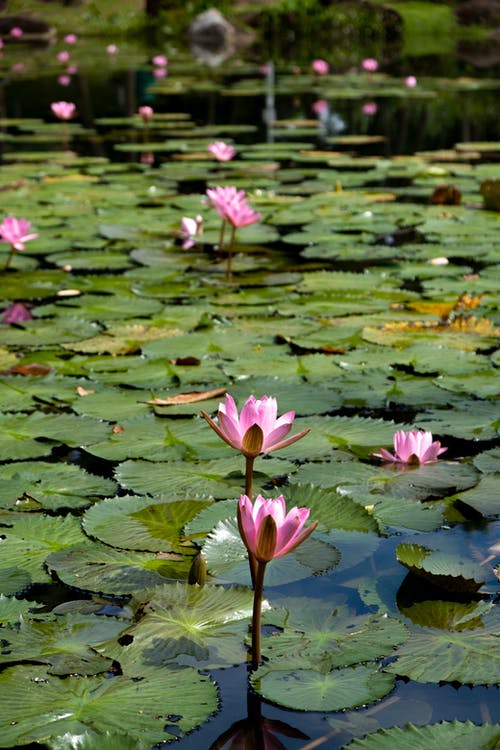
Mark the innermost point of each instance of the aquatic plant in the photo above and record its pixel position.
(268, 532)
(414, 447)
(16, 232)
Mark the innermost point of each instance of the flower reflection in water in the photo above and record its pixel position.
(256, 732)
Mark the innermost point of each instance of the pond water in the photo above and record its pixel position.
(362, 300)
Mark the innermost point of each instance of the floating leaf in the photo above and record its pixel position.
(434, 737)
(97, 567)
(158, 706)
(142, 523)
(202, 627)
(308, 690)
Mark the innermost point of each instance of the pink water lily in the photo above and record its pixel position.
(267, 530)
(370, 65)
(190, 229)
(146, 113)
(222, 151)
(232, 206)
(320, 67)
(63, 110)
(63, 56)
(16, 232)
(370, 108)
(160, 61)
(258, 429)
(414, 447)
(16, 313)
(71, 38)
(410, 82)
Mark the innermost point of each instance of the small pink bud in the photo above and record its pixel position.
(320, 67)
(370, 65)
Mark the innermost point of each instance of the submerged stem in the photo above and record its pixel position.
(257, 612)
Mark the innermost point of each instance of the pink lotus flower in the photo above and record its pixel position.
(410, 82)
(190, 228)
(320, 67)
(370, 65)
(16, 232)
(72, 69)
(320, 107)
(414, 447)
(160, 61)
(71, 38)
(222, 151)
(232, 206)
(258, 429)
(112, 49)
(160, 72)
(267, 530)
(64, 80)
(370, 108)
(63, 110)
(16, 313)
(63, 56)
(16, 32)
(146, 113)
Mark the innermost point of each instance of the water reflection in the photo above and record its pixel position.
(256, 732)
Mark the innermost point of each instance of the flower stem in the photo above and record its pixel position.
(248, 492)
(11, 254)
(221, 235)
(249, 476)
(257, 613)
(229, 269)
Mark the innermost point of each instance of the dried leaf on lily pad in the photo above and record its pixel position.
(187, 398)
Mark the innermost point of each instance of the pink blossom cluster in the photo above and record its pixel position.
(222, 151)
(232, 206)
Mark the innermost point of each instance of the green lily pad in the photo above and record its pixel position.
(27, 542)
(308, 690)
(203, 627)
(97, 567)
(41, 706)
(467, 656)
(67, 645)
(142, 523)
(467, 735)
(37, 486)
